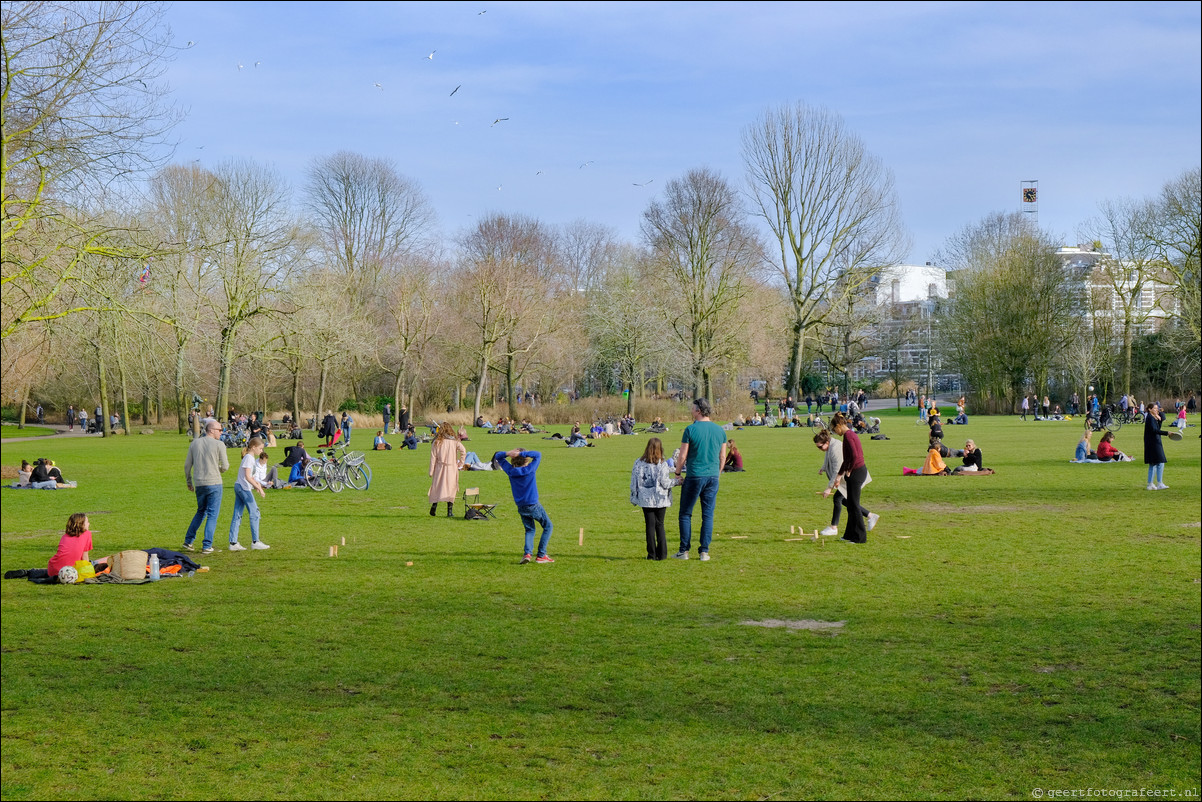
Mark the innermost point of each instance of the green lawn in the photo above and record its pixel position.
(7, 431)
(1034, 629)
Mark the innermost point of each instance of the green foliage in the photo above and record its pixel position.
(1033, 629)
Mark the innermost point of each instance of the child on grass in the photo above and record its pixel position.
(521, 466)
(73, 546)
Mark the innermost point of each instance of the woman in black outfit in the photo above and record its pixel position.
(855, 473)
(1153, 448)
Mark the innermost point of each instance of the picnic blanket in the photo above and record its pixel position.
(1124, 458)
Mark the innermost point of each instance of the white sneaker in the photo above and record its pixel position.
(259, 545)
(1162, 486)
(680, 555)
(237, 547)
(704, 556)
(1151, 486)
(872, 519)
(830, 530)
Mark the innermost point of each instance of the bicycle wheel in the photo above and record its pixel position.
(315, 476)
(1114, 425)
(334, 477)
(359, 477)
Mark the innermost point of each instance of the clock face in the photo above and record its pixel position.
(1030, 194)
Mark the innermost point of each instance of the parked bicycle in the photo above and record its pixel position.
(336, 468)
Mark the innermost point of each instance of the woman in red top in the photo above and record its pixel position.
(74, 545)
(854, 472)
(1106, 450)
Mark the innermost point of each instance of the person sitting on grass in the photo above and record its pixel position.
(972, 459)
(1106, 450)
(410, 441)
(295, 460)
(935, 464)
(1085, 450)
(23, 474)
(657, 426)
(734, 459)
(45, 476)
(267, 474)
(936, 430)
(73, 546)
(380, 444)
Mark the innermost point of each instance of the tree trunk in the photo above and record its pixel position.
(630, 401)
(158, 404)
(24, 406)
(124, 389)
(510, 393)
(179, 388)
(480, 385)
(223, 379)
(104, 390)
(321, 395)
(396, 399)
(796, 353)
(1127, 357)
(296, 397)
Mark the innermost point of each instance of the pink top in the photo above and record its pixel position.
(70, 551)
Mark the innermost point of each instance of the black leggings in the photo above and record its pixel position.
(657, 539)
(839, 509)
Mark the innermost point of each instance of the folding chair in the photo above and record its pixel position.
(472, 504)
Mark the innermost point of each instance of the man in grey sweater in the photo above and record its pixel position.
(205, 463)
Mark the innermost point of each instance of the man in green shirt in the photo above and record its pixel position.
(702, 454)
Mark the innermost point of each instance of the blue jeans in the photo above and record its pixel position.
(695, 487)
(208, 505)
(244, 499)
(1156, 472)
(532, 514)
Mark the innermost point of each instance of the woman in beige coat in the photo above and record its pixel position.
(446, 460)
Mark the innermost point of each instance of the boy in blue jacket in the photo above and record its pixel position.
(520, 466)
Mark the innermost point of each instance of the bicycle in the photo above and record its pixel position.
(338, 470)
(1104, 420)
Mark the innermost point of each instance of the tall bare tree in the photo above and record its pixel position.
(626, 331)
(1127, 270)
(1176, 234)
(82, 106)
(509, 275)
(831, 208)
(705, 251)
(256, 247)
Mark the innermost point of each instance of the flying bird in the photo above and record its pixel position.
(586, 164)
(498, 120)
(379, 86)
(540, 172)
(485, 11)
(190, 43)
(257, 63)
(431, 56)
(645, 183)
(239, 66)
(453, 91)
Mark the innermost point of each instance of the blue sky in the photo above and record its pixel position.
(961, 100)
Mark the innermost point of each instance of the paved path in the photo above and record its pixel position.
(60, 431)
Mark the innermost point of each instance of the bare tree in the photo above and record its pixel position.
(705, 251)
(256, 247)
(82, 107)
(509, 276)
(626, 331)
(1015, 309)
(831, 208)
(1176, 234)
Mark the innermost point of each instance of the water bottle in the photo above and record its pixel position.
(154, 568)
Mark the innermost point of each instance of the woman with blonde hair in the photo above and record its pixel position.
(244, 496)
(651, 484)
(446, 460)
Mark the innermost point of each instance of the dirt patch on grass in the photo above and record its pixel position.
(805, 623)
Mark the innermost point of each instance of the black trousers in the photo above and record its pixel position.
(839, 508)
(856, 531)
(657, 540)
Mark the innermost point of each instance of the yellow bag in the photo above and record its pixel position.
(85, 569)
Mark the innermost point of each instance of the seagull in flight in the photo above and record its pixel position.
(498, 120)
(586, 164)
(453, 91)
(645, 183)
(485, 11)
(239, 66)
(379, 86)
(431, 56)
(257, 63)
(190, 43)
(540, 172)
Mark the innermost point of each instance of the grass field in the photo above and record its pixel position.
(1037, 629)
(7, 432)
